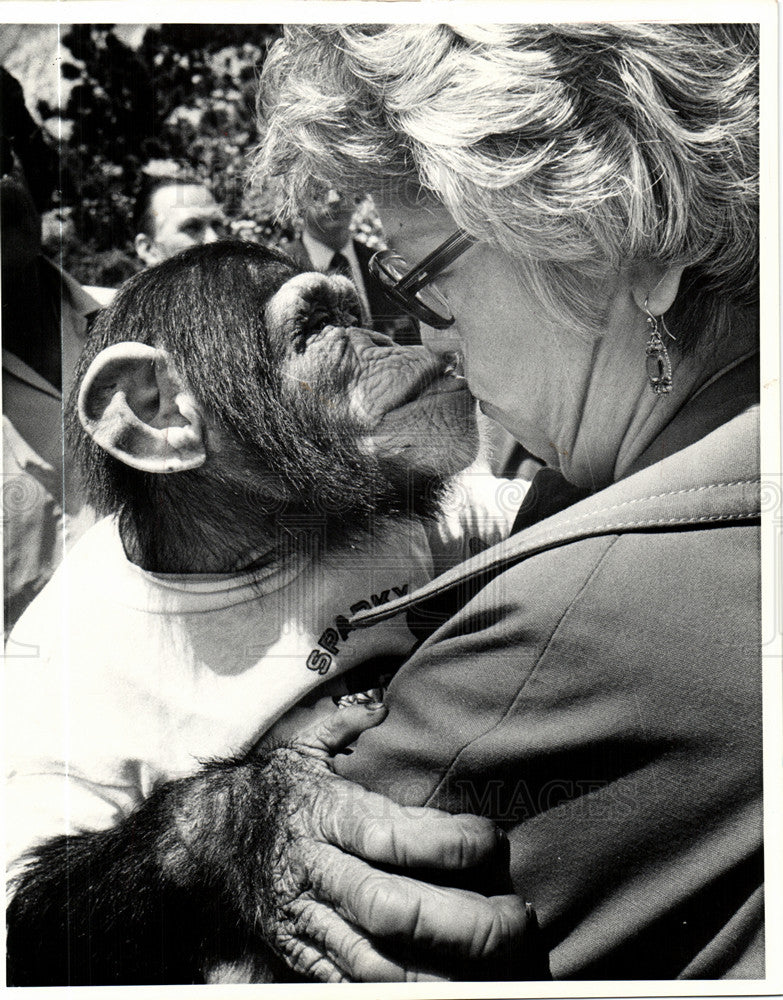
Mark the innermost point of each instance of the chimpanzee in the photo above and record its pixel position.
(266, 469)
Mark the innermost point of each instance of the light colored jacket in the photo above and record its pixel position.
(44, 508)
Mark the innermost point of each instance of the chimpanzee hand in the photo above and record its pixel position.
(267, 851)
(322, 904)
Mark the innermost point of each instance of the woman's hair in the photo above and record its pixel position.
(579, 149)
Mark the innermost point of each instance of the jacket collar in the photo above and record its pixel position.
(72, 332)
(81, 301)
(712, 480)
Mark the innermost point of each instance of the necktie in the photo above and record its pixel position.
(339, 264)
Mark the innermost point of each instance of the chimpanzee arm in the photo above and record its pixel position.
(108, 908)
(264, 849)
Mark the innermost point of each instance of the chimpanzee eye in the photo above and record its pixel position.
(317, 319)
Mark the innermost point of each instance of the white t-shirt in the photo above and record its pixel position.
(118, 679)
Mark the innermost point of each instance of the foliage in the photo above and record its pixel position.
(184, 99)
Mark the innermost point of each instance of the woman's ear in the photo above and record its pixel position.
(134, 405)
(309, 302)
(655, 287)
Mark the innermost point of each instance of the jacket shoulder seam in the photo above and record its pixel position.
(662, 496)
(624, 525)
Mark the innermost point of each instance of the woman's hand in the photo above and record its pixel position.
(326, 904)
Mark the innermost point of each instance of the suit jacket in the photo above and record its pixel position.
(46, 509)
(593, 684)
(385, 316)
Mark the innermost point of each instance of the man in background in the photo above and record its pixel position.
(329, 247)
(44, 323)
(172, 214)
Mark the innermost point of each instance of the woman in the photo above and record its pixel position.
(585, 197)
(593, 684)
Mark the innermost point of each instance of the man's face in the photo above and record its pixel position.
(328, 220)
(184, 215)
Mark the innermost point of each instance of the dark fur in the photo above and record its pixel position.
(151, 901)
(295, 468)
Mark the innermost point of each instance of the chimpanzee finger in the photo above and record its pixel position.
(449, 922)
(339, 729)
(328, 948)
(377, 829)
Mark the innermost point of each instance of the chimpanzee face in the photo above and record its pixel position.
(406, 404)
(227, 364)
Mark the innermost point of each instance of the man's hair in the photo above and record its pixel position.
(580, 149)
(143, 219)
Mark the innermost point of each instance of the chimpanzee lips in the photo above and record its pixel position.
(443, 375)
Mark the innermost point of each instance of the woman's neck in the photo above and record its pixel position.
(711, 385)
(621, 423)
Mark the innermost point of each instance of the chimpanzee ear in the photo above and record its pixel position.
(134, 405)
(308, 302)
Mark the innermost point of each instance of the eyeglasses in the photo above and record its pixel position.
(411, 288)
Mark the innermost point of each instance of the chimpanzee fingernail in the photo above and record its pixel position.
(367, 699)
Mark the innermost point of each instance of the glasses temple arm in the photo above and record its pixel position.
(437, 261)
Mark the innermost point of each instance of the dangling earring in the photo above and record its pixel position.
(659, 364)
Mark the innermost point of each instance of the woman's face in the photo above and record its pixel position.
(528, 371)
